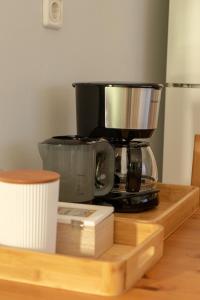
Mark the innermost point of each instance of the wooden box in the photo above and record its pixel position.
(84, 230)
(137, 247)
(177, 203)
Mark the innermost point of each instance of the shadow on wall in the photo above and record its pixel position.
(53, 110)
(57, 111)
(17, 159)
(156, 48)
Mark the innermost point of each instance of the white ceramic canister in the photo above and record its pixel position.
(28, 209)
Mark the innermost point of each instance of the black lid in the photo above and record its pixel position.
(120, 84)
(68, 140)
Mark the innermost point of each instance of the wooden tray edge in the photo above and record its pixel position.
(41, 269)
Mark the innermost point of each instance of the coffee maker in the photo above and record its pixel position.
(125, 114)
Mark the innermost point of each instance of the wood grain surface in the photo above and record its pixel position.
(28, 176)
(137, 248)
(176, 204)
(195, 180)
(176, 276)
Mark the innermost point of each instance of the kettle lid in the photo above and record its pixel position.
(68, 140)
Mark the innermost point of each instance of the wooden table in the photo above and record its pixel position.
(176, 276)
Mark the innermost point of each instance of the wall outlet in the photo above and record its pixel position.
(53, 14)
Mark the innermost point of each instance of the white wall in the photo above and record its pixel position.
(100, 40)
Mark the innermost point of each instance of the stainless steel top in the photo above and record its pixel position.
(132, 107)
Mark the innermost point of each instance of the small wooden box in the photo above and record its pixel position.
(84, 230)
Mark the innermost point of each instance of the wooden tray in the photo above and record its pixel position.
(137, 248)
(177, 203)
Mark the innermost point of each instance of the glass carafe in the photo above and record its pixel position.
(135, 167)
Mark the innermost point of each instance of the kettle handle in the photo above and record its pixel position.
(104, 175)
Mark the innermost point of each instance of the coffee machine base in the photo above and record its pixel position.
(130, 202)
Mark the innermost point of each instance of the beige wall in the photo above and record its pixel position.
(100, 40)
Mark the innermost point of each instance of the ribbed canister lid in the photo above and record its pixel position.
(28, 176)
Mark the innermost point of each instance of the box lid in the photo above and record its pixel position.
(87, 215)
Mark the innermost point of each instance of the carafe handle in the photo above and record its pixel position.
(134, 169)
(104, 176)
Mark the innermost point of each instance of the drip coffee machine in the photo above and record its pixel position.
(124, 114)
